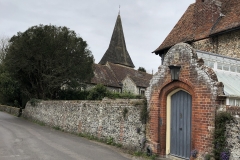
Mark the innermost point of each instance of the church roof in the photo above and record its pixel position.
(104, 75)
(202, 20)
(117, 52)
(141, 79)
(113, 74)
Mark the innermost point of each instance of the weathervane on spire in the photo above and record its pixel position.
(119, 10)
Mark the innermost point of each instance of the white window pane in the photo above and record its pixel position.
(226, 67)
(205, 62)
(232, 102)
(237, 102)
(233, 68)
(238, 69)
(219, 66)
(211, 64)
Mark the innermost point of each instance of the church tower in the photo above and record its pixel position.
(117, 52)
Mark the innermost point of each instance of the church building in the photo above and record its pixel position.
(116, 69)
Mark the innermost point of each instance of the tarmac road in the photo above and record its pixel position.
(24, 140)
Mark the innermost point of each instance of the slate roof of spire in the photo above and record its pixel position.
(202, 20)
(117, 52)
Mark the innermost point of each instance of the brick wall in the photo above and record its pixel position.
(200, 82)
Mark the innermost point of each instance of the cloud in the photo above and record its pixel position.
(145, 23)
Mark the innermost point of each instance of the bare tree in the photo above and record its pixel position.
(4, 43)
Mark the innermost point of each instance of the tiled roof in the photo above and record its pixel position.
(182, 31)
(117, 52)
(231, 18)
(203, 19)
(141, 82)
(141, 79)
(113, 74)
(103, 75)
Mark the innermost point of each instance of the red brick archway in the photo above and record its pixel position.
(196, 79)
(203, 113)
(162, 109)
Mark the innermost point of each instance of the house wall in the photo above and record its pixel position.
(227, 44)
(196, 79)
(129, 86)
(117, 119)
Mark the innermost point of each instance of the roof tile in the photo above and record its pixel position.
(117, 52)
(203, 19)
(103, 75)
(141, 79)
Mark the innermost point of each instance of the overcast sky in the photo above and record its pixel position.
(146, 23)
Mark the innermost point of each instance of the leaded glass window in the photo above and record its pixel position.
(219, 66)
(233, 68)
(226, 67)
(238, 69)
(232, 102)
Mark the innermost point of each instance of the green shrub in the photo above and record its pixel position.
(34, 101)
(110, 141)
(56, 128)
(124, 95)
(71, 94)
(98, 92)
(144, 114)
(10, 92)
(142, 154)
(207, 157)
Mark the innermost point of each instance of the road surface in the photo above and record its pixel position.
(24, 140)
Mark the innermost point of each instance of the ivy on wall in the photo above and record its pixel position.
(220, 148)
(144, 114)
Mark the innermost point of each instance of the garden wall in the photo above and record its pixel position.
(115, 119)
(233, 133)
(11, 110)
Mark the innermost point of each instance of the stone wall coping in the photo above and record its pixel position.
(105, 100)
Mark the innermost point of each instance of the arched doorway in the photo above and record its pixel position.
(179, 110)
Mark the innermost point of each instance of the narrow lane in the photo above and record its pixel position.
(23, 140)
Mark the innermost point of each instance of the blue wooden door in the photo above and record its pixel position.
(181, 105)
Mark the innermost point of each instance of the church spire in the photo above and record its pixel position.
(117, 52)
